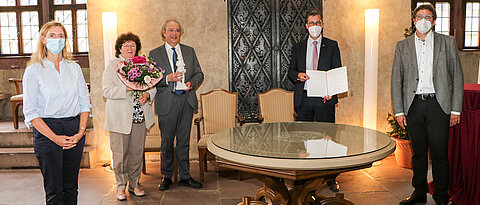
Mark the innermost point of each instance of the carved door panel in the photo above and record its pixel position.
(261, 35)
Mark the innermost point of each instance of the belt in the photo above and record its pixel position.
(425, 96)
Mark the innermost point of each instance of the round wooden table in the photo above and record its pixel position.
(295, 157)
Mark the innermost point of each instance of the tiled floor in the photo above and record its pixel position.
(383, 184)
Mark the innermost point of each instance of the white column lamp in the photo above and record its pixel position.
(109, 23)
(371, 68)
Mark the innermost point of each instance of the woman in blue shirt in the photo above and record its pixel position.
(56, 103)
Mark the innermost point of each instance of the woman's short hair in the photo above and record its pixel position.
(124, 37)
(425, 7)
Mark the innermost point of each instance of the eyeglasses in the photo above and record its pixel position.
(311, 23)
(171, 30)
(426, 17)
(129, 45)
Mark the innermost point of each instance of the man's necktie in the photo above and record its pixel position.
(175, 59)
(315, 56)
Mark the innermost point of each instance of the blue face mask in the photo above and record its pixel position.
(55, 45)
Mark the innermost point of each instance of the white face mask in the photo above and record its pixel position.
(315, 31)
(423, 26)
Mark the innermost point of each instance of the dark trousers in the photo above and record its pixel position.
(314, 109)
(428, 127)
(177, 122)
(59, 167)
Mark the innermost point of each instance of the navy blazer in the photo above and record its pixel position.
(329, 59)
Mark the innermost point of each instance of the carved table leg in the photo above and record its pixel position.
(273, 192)
(304, 193)
(250, 201)
(337, 200)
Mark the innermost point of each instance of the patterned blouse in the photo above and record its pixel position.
(138, 116)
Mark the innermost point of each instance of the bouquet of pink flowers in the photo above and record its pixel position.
(139, 73)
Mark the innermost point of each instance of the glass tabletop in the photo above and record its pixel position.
(301, 140)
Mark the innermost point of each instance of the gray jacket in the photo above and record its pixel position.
(447, 74)
(193, 74)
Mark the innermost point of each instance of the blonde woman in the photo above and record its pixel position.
(127, 118)
(56, 104)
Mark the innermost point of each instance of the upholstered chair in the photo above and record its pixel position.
(218, 112)
(276, 105)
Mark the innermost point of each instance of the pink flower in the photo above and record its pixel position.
(139, 59)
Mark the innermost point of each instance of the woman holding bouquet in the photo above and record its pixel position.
(128, 115)
(56, 103)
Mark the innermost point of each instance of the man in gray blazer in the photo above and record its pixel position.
(175, 107)
(427, 92)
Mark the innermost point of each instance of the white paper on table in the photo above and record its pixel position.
(327, 83)
(324, 148)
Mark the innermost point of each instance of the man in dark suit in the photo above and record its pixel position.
(314, 53)
(427, 93)
(175, 107)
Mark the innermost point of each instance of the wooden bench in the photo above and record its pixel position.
(16, 100)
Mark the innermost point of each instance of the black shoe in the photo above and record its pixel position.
(165, 185)
(190, 183)
(333, 185)
(414, 199)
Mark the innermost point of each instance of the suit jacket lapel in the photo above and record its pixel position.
(164, 58)
(413, 54)
(436, 50)
(303, 55)
(321, 58)
(185, 55)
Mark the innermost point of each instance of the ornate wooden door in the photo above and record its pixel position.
(261, 35)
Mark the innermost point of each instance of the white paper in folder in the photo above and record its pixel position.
(327, 83)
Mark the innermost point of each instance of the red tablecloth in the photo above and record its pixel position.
(464, 150)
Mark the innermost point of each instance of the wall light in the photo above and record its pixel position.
(109, 22)
(371, 68)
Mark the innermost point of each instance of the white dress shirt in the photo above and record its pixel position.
(48, 93)
(309, 55)
(424, 50)
(169, 49)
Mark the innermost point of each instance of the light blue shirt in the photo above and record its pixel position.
(48, 93)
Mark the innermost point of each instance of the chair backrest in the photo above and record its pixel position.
(276, 105)
(219, 110)
(17, 84)
(153, 139)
